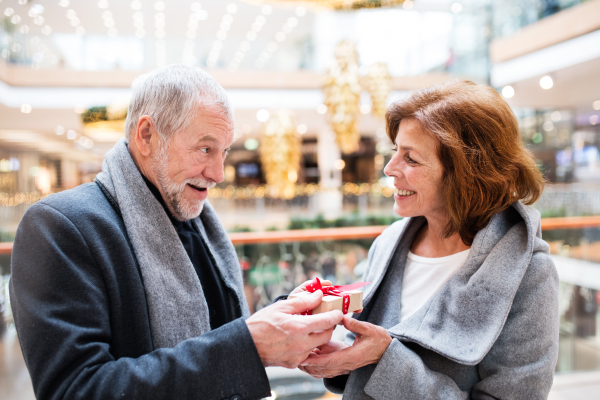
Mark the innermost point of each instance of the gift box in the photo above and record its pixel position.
(344, 298)
(330, 303)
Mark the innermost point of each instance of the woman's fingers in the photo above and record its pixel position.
(353, 325)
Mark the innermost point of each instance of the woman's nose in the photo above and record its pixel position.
(392, 167)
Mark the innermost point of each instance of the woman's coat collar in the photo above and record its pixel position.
(465, 317)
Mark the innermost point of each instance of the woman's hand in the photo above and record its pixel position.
(370, 344)
(302, 288)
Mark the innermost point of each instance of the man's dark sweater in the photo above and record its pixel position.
(216, 293)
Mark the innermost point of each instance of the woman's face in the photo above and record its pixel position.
(417, 173)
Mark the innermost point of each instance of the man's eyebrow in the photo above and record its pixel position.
(406, 148)
(207, 138)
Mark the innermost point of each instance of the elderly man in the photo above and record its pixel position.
(129, 287)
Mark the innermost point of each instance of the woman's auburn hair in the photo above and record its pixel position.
(486, 164)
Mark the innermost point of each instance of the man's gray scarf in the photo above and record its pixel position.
(176, 303)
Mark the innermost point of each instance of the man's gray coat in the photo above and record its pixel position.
(490, 333)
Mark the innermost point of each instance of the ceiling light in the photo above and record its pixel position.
(159, 6)
(71, 13)
(262, 115)
(339, 164)
(9, 11)
(196, 7)
(292, 21)
(232, 8)
(26, 108)
(456, 8)
(109, 23)
(136, 5)
(76, 21)
(593, 119)
(24, 29)
(227, 18)
(159, 24)
(38, 20)
(555, 116)
(508, 92)
(201, 15)
(16, 47)
(280, 36)
(251, 144)
(260, 20)
(301, 11)
(103, 4)
(106, 15)
(407, 5)
(302, 129)
(46, 30)
(596, 105)
(63, 3)
(365, 109)
(321, 108)
(267, 9)
(159, 16)
(546, 82)
(251, 35)
(60, 130)
(71, 134)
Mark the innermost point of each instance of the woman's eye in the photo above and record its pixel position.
(410, 160)
(394, 148)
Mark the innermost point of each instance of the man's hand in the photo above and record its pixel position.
(284, 339)
(327, 348)
(302, 288)
(370, 344)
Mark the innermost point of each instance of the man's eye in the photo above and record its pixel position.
(204, 150)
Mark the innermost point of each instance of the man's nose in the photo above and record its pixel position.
(214, 171)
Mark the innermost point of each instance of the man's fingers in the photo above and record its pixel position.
(317, 339)
(300, 304)
(322, 321)
(355, 326)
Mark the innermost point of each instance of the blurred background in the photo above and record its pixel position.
(310, 82)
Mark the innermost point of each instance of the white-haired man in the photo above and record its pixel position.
(129, 287)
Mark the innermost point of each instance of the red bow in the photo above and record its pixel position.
(334, 291)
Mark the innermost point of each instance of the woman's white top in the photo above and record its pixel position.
(424, 276)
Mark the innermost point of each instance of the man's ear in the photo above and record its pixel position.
(143, 135)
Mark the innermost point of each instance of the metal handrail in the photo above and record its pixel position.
(358, 232)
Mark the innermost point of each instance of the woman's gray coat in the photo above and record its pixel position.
(490, 333)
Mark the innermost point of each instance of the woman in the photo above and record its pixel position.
(464, 295)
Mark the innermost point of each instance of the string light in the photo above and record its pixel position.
(257, 26)
(280, 36)
(213, 55)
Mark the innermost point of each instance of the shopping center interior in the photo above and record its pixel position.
(293, 70)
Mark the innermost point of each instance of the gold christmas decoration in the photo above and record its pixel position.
(337, 4)
(342, 95)
(280, 153)
(379, 85)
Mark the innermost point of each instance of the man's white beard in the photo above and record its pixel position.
(181, 208)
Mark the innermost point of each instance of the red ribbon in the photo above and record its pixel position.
(334, 291)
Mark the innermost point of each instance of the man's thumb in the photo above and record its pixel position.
(303, 303)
